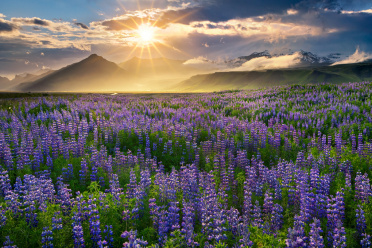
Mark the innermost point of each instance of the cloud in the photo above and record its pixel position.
(132, 19)
(270, 28)
(82, 25)
(32, 21)
(292, 12)
(35, 22)
(203, 63)
(6, 26)
(350, 12)
(265, 63)
(356, 57)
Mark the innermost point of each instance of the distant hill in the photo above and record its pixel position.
(4, 83)
(91, 74)
(30, 77)
(257, 79)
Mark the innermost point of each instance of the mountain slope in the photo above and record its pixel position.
(4, 83)
(91, 74)
(258, 79)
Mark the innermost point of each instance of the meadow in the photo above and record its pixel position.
(288, 166)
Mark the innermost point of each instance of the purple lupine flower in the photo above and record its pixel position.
(173, 216)
(109, 235)
(8, 243)
(268, 204)
(361, 220)
(256, 216)
(133, 241)
(57, 221)
(296, 235)
(233, 219)
(47, 238)
(276, 218)
(2, 217)
(188, 224)
(94, 225)
(131, 187)
(247, 204)
(243, 232)
(339, 237)
(316, 240)
(78, 235)
(83, 172)
(366, 241)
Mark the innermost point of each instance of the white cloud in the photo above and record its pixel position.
(272, 30)
(264, 63)
(42, 54)
(2, 15)
(203, 63)
(356, 57)
(292, 12)
(367, 11)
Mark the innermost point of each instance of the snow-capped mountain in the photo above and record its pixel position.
(306, 58)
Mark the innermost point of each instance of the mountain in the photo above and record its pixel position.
(258, 79)
(30, 77)
(242, 59)
(91, 74)
(306, 59)
(4, 83)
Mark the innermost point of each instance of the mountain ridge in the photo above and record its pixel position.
(266, 78)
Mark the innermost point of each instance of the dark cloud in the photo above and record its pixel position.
(40, 22)
(6, 27)
(82, 25)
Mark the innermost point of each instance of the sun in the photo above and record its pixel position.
(146, 33)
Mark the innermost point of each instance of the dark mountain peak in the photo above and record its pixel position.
(94, 56)
(255, 55)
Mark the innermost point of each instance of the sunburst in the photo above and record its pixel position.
(147, 35)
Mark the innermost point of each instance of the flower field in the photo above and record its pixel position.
(278, 167)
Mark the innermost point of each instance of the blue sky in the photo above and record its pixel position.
(53, 33)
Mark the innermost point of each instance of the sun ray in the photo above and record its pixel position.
(163, 58)
(152, 62)
(139, 61)
(174, 48)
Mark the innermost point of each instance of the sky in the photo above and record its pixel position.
(42, 34)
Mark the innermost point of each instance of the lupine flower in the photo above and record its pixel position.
(316, 240)
(133, 241)
(47, 238)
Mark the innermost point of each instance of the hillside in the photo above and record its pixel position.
(259, 79)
